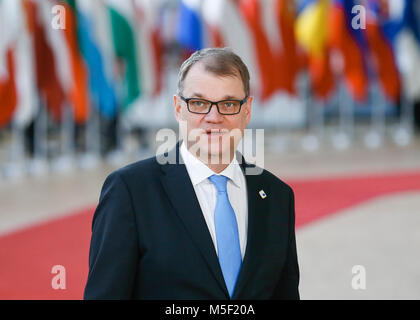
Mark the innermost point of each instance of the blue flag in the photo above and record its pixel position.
(101, 87)
(190, 25)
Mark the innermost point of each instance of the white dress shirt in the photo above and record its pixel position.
(207, 193)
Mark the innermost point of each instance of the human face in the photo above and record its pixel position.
(214, 134)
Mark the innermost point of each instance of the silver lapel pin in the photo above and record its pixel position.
(263, 195)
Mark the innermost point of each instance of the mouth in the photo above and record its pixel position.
(216, 132)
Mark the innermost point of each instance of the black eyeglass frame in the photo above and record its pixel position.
(241, 102)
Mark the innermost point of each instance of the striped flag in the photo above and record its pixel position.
(190, 28)
(122, 17)
(311, 34)
(230, 29)
(27, 100)
(403, 28)
(18, 94)
(47, 78)
(289, 59)
(8, 92)
(77, 93)
(213, 13)
(150, 45)
(252, 12)
(92, 21)
(382, 50)
(351, 44)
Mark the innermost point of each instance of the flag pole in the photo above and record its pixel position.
(403, 135)
(283, 133)
(39, 164)
(65, 161)
(342, 140)
(92, 154)
(117, 156)
(279, 141)
(375, 136)
(15, 169)
(315, 119)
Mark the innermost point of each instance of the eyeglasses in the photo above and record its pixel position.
(203, 106)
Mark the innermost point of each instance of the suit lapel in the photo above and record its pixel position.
(180, 191)
(257, 213)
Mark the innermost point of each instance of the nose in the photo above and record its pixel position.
(214, 116)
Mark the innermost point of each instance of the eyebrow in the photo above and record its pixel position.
(227, 97)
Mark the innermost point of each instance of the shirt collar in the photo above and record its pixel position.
(199, 172)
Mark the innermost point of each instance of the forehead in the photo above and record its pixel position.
(211, 85)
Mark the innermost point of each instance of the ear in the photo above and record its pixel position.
(177, 107)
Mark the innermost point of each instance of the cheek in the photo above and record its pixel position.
(239, 123)
(189, 121)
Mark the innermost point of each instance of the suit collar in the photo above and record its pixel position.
(180, 191)
(198, 171)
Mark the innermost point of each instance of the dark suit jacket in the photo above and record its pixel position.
(150, 239)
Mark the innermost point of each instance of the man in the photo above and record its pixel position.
(200, 228)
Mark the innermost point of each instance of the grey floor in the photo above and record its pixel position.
(382, 235)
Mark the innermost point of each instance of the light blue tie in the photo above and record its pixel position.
(228, 248)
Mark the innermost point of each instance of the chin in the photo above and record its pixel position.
(213, 149)
(218, 152)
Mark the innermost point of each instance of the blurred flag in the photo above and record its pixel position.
(311, 33)
(125, 48)
(190, 26)
(401, 15)
(8, 94)
(49, 86)
(288, 60)
(27, 101)
(412, 17)
(229, 29)
(151, 45)
(78, 89)
(404, 30)
(351, 44)
(89, 14)
(17, 84)
(381, 49)
(253, 13)
(213, 11)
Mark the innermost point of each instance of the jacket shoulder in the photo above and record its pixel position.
(142, 169)
(275, 182)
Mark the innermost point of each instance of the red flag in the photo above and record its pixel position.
(46, 74)
(382, 53)
(78, 94)
(151, 46)
(216, 37)
(251, 11)
(8, 94)
(157, 48)
(347, 41)
(322, 77)
(311, 29)
(227, 27)
(288, 61)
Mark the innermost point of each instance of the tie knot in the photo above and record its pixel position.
(220, 182)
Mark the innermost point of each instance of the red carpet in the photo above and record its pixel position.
(316, 198)
(27, 256)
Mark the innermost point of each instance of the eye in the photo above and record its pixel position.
(229, 104)
(197, 103)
